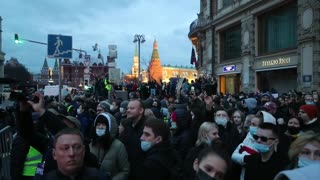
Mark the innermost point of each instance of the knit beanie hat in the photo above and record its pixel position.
(105, 106)
(124, 104)
(311, 110)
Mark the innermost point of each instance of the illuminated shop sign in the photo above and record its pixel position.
(279, 61)
(229, 68)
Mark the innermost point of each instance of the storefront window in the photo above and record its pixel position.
(231, 43)
(278, 29)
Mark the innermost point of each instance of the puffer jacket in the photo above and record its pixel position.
(115, 159)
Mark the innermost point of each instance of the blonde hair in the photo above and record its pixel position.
(297, 145)
(203, 131)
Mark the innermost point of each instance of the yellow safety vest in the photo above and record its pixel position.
(33, 158)
(69, 108)
(106, 85)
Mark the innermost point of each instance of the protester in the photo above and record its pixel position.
(247, 146)
(227, 131)
(110, 152)
(294, 127)
(308, 114)
(211, 164)
(161, 160)
(208, 133)
(266, 143)
(69, 151)
(181, 137)
(132, 133)
(121, 128)
(305, 150)
(238, 118)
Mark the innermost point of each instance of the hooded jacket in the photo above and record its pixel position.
(115, 159)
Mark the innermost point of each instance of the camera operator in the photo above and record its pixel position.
(34, 141)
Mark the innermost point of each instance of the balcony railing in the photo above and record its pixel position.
(199, 23)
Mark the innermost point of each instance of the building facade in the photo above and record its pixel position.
(251, 45)
(73, 73)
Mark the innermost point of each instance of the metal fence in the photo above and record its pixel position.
(6, 138)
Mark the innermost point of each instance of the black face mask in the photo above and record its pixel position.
(201, 175)
(293, 130)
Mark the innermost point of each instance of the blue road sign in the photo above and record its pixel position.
(59, 46)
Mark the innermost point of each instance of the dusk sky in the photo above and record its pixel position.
(99, 21)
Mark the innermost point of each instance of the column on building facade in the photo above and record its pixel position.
(309, 45)
(2, 54)
(247, 34)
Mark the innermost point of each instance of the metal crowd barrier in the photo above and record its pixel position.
(6, 138)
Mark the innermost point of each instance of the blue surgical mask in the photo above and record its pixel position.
(100, 132)
(145, 145)
(261, 147)
(309, 102)
(303, 162)
(221, 121)
(253, 130)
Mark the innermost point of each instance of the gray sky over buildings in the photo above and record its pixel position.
(99, 21)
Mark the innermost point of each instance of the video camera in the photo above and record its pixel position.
(20, 91)
(23, 93)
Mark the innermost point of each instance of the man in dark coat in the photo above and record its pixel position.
(161, 160)
(132, 133)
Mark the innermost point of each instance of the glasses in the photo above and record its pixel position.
(236, 117)
(263, 138)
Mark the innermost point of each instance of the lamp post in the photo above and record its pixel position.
(140, 39)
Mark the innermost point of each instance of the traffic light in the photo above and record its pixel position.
(16, 39)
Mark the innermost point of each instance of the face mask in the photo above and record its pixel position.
(309, 102)
(293, 130)
(121, 110)
(253, 130)
(303, 162)
(111, 107)
(78, 111)
(261, 147)
(221, 121)
(145, 145)
(100, 132)
(203, 175)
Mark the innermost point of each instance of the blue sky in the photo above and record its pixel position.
(99, 21)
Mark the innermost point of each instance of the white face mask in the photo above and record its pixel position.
(100, 132)
(111, 107)
(121, 110)
(78, 111)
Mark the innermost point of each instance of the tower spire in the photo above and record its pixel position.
(155, 53)
(45, 63)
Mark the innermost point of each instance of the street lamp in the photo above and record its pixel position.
(140, 39)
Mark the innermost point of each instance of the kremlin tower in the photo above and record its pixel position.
(155, 67)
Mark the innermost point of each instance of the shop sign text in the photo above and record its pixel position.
(279, 61)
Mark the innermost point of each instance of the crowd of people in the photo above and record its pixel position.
(192, 133)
